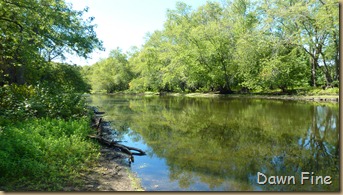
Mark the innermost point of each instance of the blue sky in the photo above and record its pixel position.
(124, 23)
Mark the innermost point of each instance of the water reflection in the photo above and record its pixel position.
(221, 143)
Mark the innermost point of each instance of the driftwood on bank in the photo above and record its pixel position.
(97, 124)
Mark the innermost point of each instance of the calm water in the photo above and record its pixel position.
(220, 144)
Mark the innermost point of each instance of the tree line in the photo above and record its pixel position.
(237, 45)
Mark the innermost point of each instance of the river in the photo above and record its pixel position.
(222, 143)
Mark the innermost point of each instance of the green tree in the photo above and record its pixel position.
(311, 25)
(239, 45)
(252, 44)
(66, 76)
(201, 45)
(147, 65)
(284, 71)
(35, 31)
(110, 74)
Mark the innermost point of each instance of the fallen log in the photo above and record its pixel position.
(96, 112)
(122, 148)
(140, 152)
(113, 144)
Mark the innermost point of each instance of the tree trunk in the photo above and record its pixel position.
(337, 64)
(337, 67)
(313, 72)
(226, 89)
(328, 77)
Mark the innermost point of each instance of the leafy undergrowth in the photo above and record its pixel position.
(44, 154)
(43, 138)
(44, 100)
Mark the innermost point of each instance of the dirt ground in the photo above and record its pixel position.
(111, 172)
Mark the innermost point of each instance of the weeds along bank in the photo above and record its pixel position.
(43, 142)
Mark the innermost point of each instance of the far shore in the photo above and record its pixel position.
(327, 98)
(316, 98)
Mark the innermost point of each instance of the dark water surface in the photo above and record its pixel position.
(220, 144)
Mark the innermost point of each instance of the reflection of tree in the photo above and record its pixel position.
(317, 151)
(223, 142)
(322, 143)
(117, 111)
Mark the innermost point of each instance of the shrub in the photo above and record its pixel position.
(44, 154)
(43, 100)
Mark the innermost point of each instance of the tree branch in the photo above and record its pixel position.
(15, 22)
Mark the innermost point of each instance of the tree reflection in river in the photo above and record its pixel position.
(224, 142)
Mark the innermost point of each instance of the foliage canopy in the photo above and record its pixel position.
(237, 45)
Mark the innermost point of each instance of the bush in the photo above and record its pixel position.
(44, 154)
(43, 100)
(42, 137)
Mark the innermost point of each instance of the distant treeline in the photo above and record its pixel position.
(239, 45)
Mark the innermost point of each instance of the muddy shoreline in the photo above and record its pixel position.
(112, 171)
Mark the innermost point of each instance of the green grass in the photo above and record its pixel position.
(305, 91)
(44, 154)
(319, 91)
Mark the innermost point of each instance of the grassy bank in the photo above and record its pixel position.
(45, 146)
(44, 154)
(308, 94)
(43, 138)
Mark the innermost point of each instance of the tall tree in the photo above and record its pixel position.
(147, 65)
(310, 26)
(111, 74)
(35, 31)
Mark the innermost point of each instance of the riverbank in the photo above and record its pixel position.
(315, 98)
(111, 172)
(45, 146)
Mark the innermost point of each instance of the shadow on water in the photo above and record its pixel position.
(219, 144)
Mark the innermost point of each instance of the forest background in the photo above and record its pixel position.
(233, 46)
